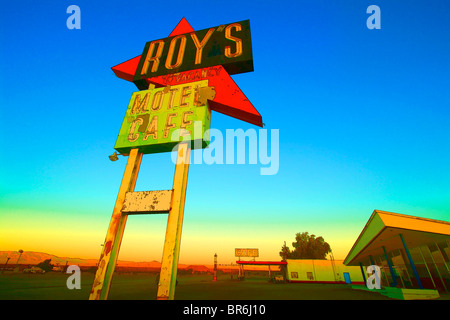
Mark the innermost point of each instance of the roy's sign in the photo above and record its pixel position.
(179, 77)
(226, 45)
(187, 55)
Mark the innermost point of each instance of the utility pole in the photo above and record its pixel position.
(215, 267)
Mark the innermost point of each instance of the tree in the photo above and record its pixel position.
(20, 251)
(45, 265)
(285, 253)
(306, 246)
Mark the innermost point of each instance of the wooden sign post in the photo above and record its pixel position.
(171, 253)
(180, 80)
(108, 259)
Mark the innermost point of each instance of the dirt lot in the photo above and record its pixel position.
(142, 286)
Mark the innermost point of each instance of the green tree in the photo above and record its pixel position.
(306, 246)
(285, 252)
(45, 265)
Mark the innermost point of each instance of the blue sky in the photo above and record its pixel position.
(362, 116)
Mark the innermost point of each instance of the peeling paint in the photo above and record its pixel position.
(145, 202)
(204, 94)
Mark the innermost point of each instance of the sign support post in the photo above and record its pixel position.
(171, 252)
(108, 259)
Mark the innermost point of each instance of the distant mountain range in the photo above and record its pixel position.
(33, 258)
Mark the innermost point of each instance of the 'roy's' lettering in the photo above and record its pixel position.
(226, 45)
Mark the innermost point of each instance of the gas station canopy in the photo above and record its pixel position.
(386, 229)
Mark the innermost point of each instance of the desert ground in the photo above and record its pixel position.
(142, 286)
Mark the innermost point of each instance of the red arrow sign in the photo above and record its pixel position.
(229, 99)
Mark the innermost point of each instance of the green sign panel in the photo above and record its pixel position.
(226, 45)
(158, 119)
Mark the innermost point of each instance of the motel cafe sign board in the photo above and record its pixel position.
(158, 119)
(181, 79)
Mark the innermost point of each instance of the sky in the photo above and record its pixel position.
(362, 114)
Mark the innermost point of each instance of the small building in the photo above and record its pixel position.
(322, 271)
(198, 269)
(411, 252)
(275, 265)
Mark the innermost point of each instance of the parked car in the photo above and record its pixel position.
(278, 279)
(33, 270)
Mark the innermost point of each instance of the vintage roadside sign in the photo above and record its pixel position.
(157, 119)
(239, 252)
(181, 79)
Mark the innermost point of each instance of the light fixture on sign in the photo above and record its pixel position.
(114, 156)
